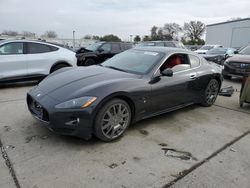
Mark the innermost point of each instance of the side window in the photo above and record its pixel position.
(35, 48)
(174, 60)
(116, 47)
(106, 47)
(169, 44)
(128, 46)
(159, 44)
(11, 48)
(194, 61)
(53, 48)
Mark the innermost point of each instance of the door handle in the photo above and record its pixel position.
(193, 76)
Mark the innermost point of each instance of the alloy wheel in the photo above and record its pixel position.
(212, 91)
(115, 120)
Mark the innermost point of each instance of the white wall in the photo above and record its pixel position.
(232, 34)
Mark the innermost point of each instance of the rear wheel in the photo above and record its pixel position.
(112, 120)
(211, 93)
(57, 67)
(89, 62)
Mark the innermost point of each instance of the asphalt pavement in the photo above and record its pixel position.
(191, 147)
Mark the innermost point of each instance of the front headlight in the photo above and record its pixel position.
(78, 103)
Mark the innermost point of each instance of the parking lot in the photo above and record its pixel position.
(192, 147)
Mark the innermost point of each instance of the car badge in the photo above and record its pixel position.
(38, 95)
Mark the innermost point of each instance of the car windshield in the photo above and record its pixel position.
(93, 47)
(219, 51)
(206, 47)
(134, 61)
(245, 51)
(147, 44)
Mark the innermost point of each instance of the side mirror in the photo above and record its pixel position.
(226, 56)
(236, 52)
(181, 67)
(100, 50)
(167, 72)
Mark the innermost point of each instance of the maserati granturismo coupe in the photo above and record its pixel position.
(103, 100)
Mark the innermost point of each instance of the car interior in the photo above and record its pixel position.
(174, 60)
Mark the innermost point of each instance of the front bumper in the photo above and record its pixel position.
(73, 122)
(237, 70)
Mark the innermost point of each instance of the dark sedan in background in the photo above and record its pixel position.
(238, 65)
(219, 55)
(99, 52)
(139, 83)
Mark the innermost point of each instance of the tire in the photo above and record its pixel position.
(210, 93)
(57, 67)
(112, 120)
(227, 77)
(89, 62)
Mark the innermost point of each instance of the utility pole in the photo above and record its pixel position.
(131, 36)
(73, 39)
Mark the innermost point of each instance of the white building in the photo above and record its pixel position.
(233, 34)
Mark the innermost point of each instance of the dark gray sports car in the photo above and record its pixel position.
(139, 83)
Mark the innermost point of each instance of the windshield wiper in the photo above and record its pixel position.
(115, 68)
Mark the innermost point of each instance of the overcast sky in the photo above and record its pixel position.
(120, 17)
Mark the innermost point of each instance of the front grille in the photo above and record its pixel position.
(37, 110)
(240, 65)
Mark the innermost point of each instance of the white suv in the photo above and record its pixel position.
(22, 59)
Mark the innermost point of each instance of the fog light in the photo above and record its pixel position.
(74, 122)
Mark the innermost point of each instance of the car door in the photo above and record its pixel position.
(105, 52)
(170, 92)
(13, 60)
(40, 58)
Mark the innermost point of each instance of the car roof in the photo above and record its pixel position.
(35, 41)
(166, 50)
(25, 40)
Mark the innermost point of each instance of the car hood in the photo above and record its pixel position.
(72, 82)
(240, 58)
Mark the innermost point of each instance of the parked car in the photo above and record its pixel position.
(237, 65)
(24, 59)
(173, 44)
(99, 52)
(219, 55)
(205, 48)
(136, 84)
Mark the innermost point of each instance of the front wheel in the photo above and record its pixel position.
(211, 93)
(112, 120)
(57, 67)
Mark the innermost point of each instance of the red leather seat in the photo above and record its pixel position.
(173, 61)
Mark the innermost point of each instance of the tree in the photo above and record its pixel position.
(95, 37)
(28, 34)
(10, 33)
(137, 38)
(171, 31)
(110, 38)
(50, 34)
(194, 30)
(88, 37)
(154, 35)
(146, 38)
(160, 34)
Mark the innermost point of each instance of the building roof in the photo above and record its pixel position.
(239, 20)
